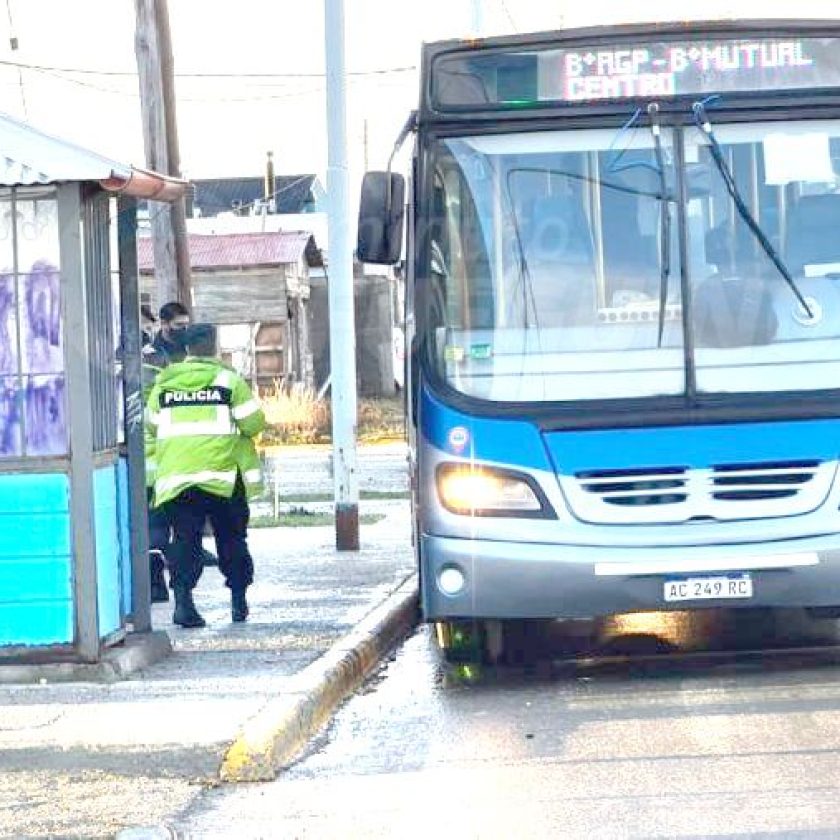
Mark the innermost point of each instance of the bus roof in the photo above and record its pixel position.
(618, 31)
(609, 65)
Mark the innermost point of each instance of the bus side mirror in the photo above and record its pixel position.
(381, 214)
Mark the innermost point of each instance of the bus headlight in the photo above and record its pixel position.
(483, 491)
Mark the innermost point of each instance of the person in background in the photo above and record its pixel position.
(202, 419)
(174, 319)
(153, 361)
(148, 325)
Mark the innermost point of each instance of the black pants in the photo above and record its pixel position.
(187, 514)
(158, 540)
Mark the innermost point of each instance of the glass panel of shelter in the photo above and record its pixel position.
(32, 400)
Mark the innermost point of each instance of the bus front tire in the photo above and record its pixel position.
(471, 641)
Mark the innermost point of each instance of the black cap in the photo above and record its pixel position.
(199, 335)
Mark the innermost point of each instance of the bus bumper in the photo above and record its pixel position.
(524, 580)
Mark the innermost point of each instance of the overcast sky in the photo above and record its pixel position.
(227, 124)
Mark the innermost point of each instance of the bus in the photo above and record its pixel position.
(623, 322)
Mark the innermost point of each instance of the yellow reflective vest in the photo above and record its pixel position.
(201, 421)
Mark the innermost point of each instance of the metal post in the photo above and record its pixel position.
(141, 612)
(79, 403)
(340, 284)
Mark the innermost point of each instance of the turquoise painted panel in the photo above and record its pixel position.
(34, 493)
(108, 588)
(34, 535)
(36, 579)
(36, 567)
(125, 534)
(36, 624)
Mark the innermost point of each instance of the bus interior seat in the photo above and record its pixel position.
(631, 258)
(732, 253)
(813, 232)
(733, 307)
(561, 256)
(562, 234)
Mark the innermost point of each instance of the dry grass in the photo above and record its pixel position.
(296, 415)
(381, 419)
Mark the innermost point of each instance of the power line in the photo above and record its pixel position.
(382, 71)
(135, 94)
(13, 44)
(285, 95)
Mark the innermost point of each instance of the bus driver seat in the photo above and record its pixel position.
(812, 233)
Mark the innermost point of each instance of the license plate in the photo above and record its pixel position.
(708, 588)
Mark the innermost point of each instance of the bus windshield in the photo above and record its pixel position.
(559, 272)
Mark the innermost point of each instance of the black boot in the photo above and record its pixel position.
(185, 612)
(160, 592)
(238, 605)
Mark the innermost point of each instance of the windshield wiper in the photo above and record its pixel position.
(664, 217)
(705, 125)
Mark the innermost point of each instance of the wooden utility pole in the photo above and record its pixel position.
(155, 66)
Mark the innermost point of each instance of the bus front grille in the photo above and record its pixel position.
(675, 494)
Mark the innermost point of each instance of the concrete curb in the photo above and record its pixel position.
(136, 651)
(277, 734)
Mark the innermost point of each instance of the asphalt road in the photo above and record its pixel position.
(600, 735)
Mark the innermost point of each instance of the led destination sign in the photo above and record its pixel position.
(642, 70)
(672, 69)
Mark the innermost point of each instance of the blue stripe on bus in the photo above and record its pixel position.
(514, 442)
(695, 446)
(519, 443)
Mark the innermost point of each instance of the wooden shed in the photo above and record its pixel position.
(256, 279)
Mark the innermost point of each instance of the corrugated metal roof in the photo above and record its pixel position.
(292, 193)
(234, 250)
(28, 156)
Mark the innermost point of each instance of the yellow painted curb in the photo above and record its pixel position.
(277, 734)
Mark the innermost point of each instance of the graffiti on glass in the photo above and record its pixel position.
(32, 403)
(8, 335)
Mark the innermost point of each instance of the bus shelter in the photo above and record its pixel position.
(74, 576)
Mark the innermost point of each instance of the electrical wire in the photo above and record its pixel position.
(135, 94)
(13, 43)
(382, 71)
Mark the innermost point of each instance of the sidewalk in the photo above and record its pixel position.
(86, 759)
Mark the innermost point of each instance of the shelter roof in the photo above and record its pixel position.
(29, 157)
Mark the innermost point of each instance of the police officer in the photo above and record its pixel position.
(202, 419)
